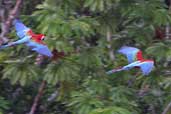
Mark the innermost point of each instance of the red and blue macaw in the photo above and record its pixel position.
(30, 39)
(135, 59)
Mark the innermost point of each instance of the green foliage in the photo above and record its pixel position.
(4, 105)
(99, 5)
(90, 58)
(84, 103)
(80, 29)
(20, 71)
(162, 48)
(111, 110)
(122, 95)
(64, 26)
(96, 86)
(61, 71)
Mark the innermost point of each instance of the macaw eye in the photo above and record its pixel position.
(43, 38)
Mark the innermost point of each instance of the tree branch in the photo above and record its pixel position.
(144, 90)
(6, 23)
(53, 96)
(37, 98)
(167, 31)
(167, 108)
(38, 62)
(152, 108)
(109, 40)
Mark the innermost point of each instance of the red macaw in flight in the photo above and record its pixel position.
(135, 59)
(30, 39)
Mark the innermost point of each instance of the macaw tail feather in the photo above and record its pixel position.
(4, 46)
(114, 70)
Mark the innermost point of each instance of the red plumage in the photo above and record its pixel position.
(139, 55)
(36, 37)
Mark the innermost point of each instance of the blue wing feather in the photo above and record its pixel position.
(20, 28)
(39, 48)
(146, 67)
(130, 53)
(131, 65)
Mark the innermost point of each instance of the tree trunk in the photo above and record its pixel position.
(167, 31)
(37, 98)
(6, 22)
(167, 28)
(167, 108)
(109, 40)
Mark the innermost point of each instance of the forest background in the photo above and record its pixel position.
(86, 34)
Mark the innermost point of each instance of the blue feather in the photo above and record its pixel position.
(20, 28)
(130, 53)
(39, 48)
(145, 66)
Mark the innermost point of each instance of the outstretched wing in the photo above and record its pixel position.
(20, 28)
(131, 53)
(146, 67)
(39, 48)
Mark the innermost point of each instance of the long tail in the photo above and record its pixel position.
(114, 70)
(5, 46)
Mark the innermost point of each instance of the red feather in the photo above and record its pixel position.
(139, 55)
(36, 37)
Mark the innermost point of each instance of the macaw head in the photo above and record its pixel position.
(39, 37)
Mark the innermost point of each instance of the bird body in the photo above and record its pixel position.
(30, 39)
(135, 59)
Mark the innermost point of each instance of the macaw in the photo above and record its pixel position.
(30, 39)
(135, 59)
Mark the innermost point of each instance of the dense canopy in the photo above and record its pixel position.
(84, 37)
